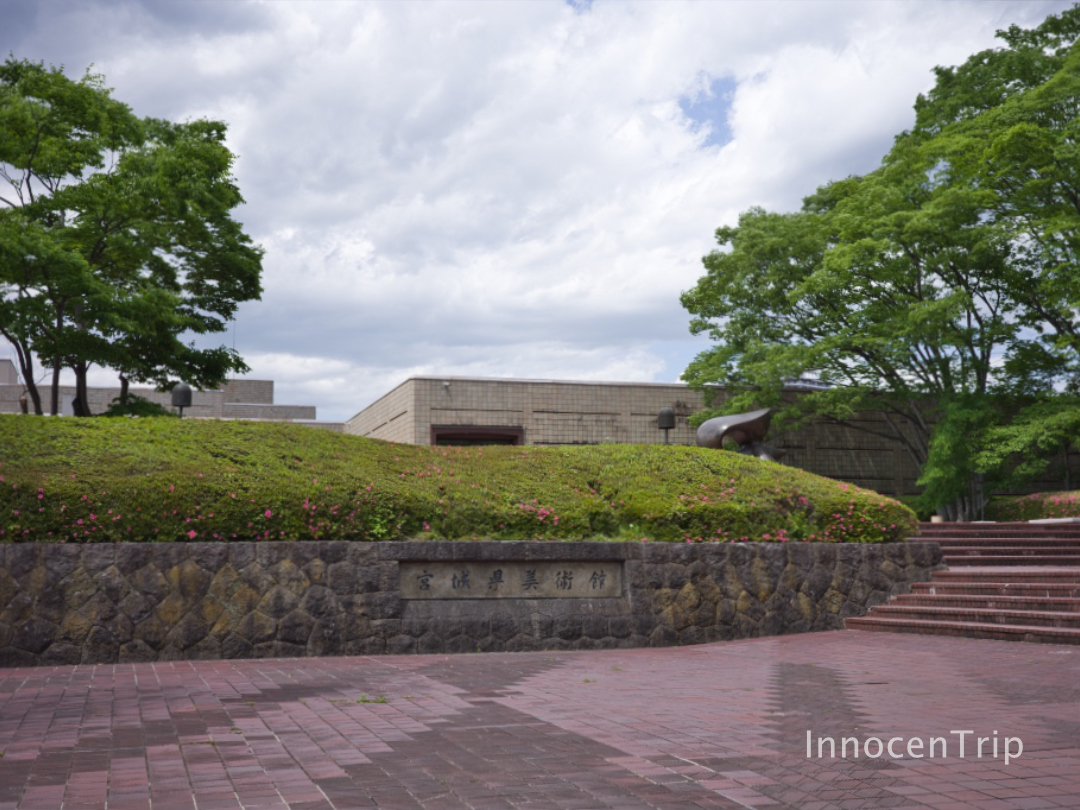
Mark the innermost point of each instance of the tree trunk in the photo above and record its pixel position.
(123, 390)
(962, 510)
(26, 366)
(57, 364)
(81, 403)
(54, 408)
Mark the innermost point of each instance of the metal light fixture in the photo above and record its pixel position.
(181, 397)
(666, 421)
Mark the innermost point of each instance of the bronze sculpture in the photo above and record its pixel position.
(745, 429)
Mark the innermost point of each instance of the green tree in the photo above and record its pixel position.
(940, 290)
(117, 241)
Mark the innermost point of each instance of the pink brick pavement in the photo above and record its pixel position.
(715, 726)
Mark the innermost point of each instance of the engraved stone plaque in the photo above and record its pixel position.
(511, 580)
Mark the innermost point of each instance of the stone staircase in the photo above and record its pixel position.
(1008, 581)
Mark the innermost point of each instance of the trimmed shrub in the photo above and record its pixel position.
(137, 406)
(96, 480)
(1035, 507)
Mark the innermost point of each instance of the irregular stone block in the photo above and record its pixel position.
(188, 632)
(315, 570)
(257, 628)
(462, 644)
(257, 578)
(430, 642)
(61, 561)
(98, 556)
(235, 646)
(325, 638)
(241, 555)
(289, 576)
(295, 627)
(319, 602)
(278, 602)
(130, 557)
(34, 635)
(189, 580)
(137, 651)
(101, 647)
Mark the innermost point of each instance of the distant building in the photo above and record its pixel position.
(236, 399)
(471, 410)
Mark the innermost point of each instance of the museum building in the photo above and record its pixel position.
(236, 399)
(474, 410)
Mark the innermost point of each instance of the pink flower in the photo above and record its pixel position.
(191, 534)
(269, 513)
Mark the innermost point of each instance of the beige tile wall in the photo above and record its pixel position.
(256, 392)
(237, 399)
(391, 417)
(556, 412)
(9, 374)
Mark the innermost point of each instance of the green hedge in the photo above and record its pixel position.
(95, 480)
(1035, 507)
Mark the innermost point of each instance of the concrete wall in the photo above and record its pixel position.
(163, 601)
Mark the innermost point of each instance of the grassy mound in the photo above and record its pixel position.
(1035, 507)
(95, 480)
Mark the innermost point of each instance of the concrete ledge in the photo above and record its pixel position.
(168, 601)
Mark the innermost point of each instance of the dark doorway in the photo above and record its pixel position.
(471, 435)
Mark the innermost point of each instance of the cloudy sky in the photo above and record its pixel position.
(509, 188)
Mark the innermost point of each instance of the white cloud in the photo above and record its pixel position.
(506, 188)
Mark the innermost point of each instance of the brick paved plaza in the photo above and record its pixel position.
(714, 726)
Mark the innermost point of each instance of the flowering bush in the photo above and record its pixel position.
(98, 480)
(1035, 507)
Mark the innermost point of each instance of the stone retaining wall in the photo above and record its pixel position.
(162, 601)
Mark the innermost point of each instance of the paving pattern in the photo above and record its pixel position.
(714, 726)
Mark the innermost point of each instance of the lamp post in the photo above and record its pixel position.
(666, 421)
(980, 494)
(181, 397)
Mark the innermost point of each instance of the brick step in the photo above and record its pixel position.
(992, 550)
(1006, 581)
(1023, 618)
(932, 532)
(1045, 575)
(1017, 526)
(1001, 539)
(1003, 632)
(991, 601)
(1026, 590)
(961, 560)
